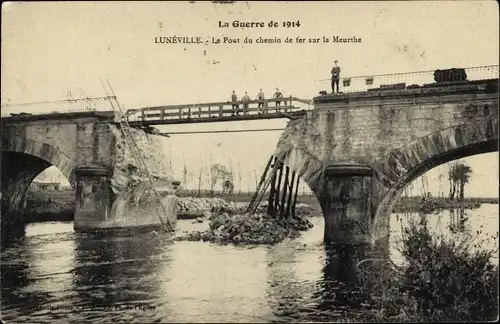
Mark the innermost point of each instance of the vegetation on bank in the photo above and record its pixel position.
(430, 204)
(58, 205)
(442, 279)
(49, 205)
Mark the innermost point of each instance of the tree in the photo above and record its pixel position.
(218, 173)
(458, 176)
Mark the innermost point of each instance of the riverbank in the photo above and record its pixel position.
(52, 205)
(432, 204)
(59, 205)
(49, 205)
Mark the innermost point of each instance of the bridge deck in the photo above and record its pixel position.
(216, 112)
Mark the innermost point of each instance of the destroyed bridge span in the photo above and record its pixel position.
(356, 151)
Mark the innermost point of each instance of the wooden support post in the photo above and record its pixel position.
(272, 191)
(180, 113)
(277, 195)
(265, 185)
(289, 203)
(262, 178)
(199, 112)
(283, 196)
(143, 117)
(295, 197)
(221, 110)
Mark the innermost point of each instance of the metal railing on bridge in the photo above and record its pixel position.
(89, 104)
(367, 82)
(220, 111)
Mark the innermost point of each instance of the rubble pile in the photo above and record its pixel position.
(194, 207)
(191, 207)
(249, 229)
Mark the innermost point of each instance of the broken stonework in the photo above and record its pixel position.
(134, 204)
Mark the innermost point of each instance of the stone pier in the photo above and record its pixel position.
(346, 204)
(94, 197)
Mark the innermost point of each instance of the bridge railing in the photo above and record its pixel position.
(219, 109)
(57, 107)
(367, 82)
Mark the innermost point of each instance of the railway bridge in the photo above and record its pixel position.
(356, 150)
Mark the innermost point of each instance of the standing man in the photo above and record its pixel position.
(261, 98)
(234, 100)
(278, 95)
(245, 100)
(335, 76)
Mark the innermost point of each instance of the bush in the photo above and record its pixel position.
(449, 278)
(442, 279)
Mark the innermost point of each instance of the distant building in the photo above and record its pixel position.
(45, 185)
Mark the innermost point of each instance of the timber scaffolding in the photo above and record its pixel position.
(282, 194)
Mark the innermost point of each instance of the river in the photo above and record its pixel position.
(53, 274)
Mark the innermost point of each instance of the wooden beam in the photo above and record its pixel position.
(265, 185)
(208, 113)
(283, 196)
(290, 195)
(272, 191)
(213, 119)
(294, 203)
(277, 195)
(262, 178)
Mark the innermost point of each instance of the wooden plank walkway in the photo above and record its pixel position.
(217, 112)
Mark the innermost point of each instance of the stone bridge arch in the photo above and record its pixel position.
(403, 165)
(22, 160)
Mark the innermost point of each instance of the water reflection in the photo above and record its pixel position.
(292, 276)
(35, 272)
(331, 287)
(119, 273)
(340, 286)
(11, 234)
(458, 220)
(296, 280)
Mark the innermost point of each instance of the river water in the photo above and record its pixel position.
(55, 275)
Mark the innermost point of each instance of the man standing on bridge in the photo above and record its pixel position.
(278, 95)
(245, 100)
(335, 76)
(234, 100)
(261, 98)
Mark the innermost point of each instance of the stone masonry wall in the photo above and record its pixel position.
(367, 128)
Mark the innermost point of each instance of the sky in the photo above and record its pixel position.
(51, 50)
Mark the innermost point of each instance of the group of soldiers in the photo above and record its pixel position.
(278, 96)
